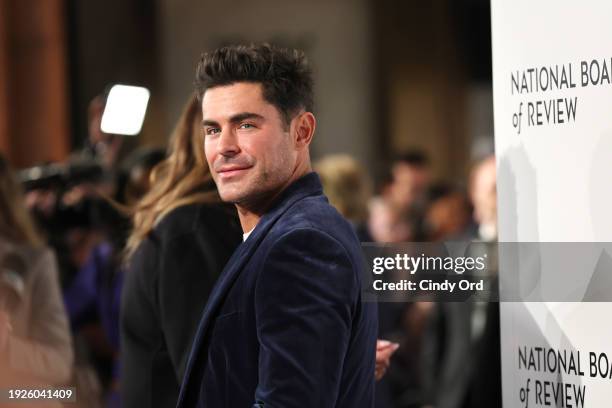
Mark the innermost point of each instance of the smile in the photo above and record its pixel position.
(231, 172)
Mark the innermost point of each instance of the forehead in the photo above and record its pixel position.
(224, 101)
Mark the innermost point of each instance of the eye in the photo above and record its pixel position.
(246, 126)
(209, 131)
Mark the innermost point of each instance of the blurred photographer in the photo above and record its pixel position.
(67, 199)
(93, 297)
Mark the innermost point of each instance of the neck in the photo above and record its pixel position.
(250, 214)
(248, 219)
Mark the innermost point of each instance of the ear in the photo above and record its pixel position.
(304, 128)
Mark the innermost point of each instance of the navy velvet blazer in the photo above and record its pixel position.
(285, 325)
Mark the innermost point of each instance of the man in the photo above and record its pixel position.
(469, 368)
(285, 325)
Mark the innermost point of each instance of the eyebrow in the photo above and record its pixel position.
(237, 118)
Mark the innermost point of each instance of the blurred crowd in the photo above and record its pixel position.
(63, 235)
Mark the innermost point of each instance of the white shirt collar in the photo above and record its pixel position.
(246, 235)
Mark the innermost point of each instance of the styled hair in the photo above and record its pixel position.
(183, 178)
(284, 74)
(16, 224)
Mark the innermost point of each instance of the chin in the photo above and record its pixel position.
(228, 197)
(231, 195)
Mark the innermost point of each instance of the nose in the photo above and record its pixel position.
(228, 144)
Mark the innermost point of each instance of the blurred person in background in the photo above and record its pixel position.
(464, 339)
(67, 222)
(409, 179)
(348, 189)
(104, 147)
(93, 297)
(66, 199)
(182, 238)
(448, 215)
(397, 216)
(387, 224)
(483, 193)
(35, 342)
(402, 322)
(69, 203)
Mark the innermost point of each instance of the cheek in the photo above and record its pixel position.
(209, 149)
(272, 153)
(285, 155)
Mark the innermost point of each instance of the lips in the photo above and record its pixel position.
(229, 171)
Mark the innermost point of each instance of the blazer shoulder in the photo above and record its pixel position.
(318, 243)
(314, 221)
(316, 215)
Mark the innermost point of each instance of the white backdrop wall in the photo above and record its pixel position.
(554, 185)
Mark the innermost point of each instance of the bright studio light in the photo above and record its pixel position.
(125, 110)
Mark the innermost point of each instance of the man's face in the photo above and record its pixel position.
(250, 152)
(409, 184)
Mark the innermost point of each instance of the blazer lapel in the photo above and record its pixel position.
(226, 279)
(306, 186)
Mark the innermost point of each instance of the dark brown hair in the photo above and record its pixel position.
(284, 74)
(182, 179)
